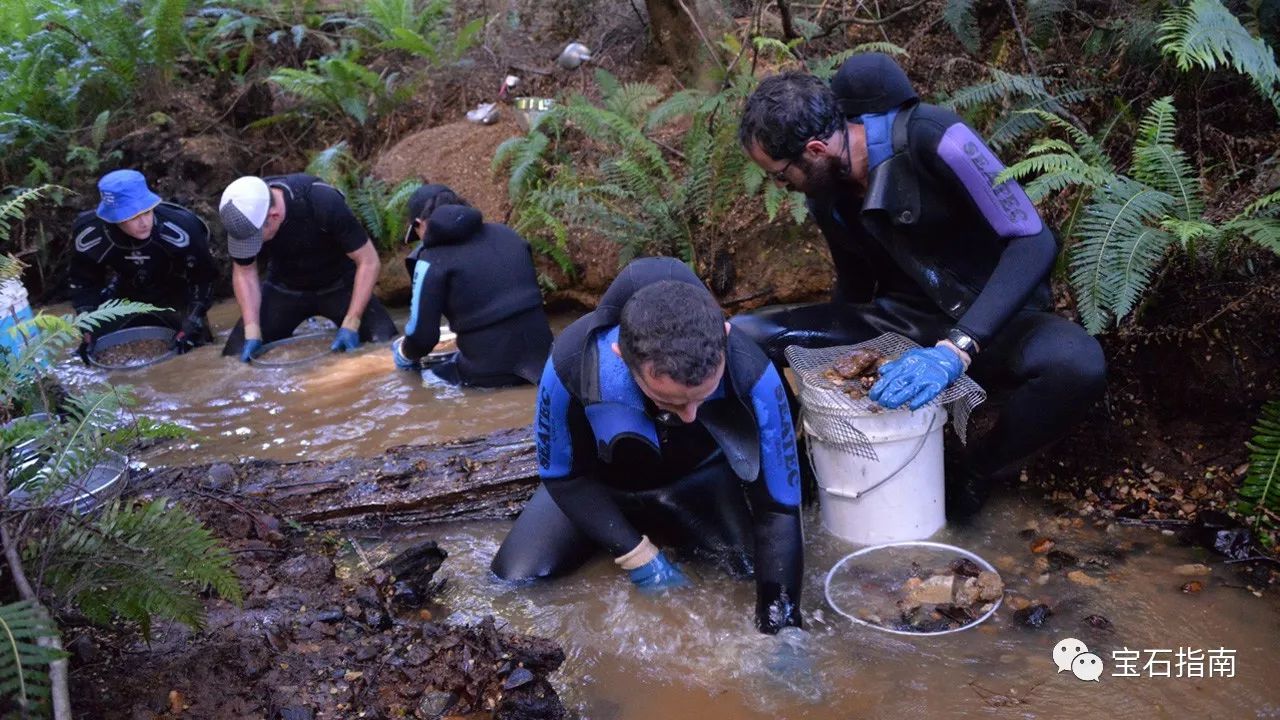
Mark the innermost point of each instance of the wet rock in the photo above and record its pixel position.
(966, 591)
(221, 476)
(1059, 560)
(1193, 570)
(296, 713)
(1194, 586)
(1080, 577)
(331, 615)
(414, 571)
(1098, 622)
(518, 677)
(990, 587)
(436, 703)
(1134, 510)
(1042, 545)
(935, 590)
(84, 650)
(238, 526)
(533, 701)
(1027, 533)
(965, 567)
(367, 652)
(307, 570)
(1033, 616)
(1018, 602)
(1220, 533)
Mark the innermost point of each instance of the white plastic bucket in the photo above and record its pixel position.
(14, 310)
(897, 496)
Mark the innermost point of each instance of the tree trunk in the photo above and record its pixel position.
(485, 477)
(675, 25)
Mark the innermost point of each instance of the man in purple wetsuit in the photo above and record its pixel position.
(925, 245)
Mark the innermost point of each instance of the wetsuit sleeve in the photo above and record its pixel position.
(430, 288)
(775, 509)
(336, 218)
(87, 276)
(566, 465)
(963, 163)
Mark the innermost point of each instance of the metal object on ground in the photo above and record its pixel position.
(82, 494)
(855, 577)
(484, 114)
(530, 109)
(129, 335)
(264, 358)
(573, 55)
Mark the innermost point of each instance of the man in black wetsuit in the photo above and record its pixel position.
(654, 421)
(481, 277)
(924, 245)
(135, 246)
(319, 261)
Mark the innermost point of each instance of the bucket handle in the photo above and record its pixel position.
(855, 494)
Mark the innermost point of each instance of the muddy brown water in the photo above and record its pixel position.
(343, 405)
(694, 653)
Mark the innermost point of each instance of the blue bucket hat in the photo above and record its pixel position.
(124, 195)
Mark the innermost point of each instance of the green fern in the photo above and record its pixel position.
(1205, 34)
(138, 562)
(165, 33)
(1159, 163)
(23, 678)
(14, 207)
(959, 16)
(825, 67)
(1261, 487)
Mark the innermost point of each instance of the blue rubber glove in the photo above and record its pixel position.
(252, 348)
(658, 574)
(917, 377)
(402, 362)
(347, 340)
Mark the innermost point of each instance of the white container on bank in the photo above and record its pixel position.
(14, 310)
(897, 496)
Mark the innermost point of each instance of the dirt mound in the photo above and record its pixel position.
(458, 155)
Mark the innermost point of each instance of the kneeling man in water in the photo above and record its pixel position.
(657, 426)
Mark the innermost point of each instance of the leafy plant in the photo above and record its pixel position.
(1129, 222)
(1205, 34)
(1261, 488)
(23, 679)
(338, 86)
(1006, 97)
(644, 195)
(959, 16)
(381, 208)
(425, 32)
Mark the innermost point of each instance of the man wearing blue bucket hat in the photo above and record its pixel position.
(136, 246)
(924, 245)
(319, 261)
(654, 421)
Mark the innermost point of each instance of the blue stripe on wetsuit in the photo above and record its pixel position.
(620, 411)
(420, 270)
(551, 426)
(779, 462)
(879, 127)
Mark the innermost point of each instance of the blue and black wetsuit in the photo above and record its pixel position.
(481, 277)
(725, 487)
(933, 246)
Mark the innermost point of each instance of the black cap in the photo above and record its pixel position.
(419, 201)
(870, 83)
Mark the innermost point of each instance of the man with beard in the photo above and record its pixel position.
(926, 246)
(135, 246)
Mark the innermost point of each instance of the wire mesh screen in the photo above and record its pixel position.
(826, 405)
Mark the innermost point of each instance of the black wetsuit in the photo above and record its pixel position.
(481, 277)
(308, 271)
(933, 246)
(171, 269)
(725, 487)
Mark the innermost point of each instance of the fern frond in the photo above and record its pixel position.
(682, 104)
(1206, 34)
(1261, 484)
(1160, 164)
(23, 661)
(1264, 232)
(1042, 16)
(14, 207)
(1120, 247)
(632, 101)
(138, 562)
(959, 16)
(334, 165)
(526, 165)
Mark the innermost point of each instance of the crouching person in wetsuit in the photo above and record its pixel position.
(924, 245)
(135, 246)
(480, 276)
(319, 262)
(657, 427)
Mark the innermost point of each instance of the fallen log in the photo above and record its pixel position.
(476, 478)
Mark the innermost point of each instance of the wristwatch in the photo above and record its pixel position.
(963, 340)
